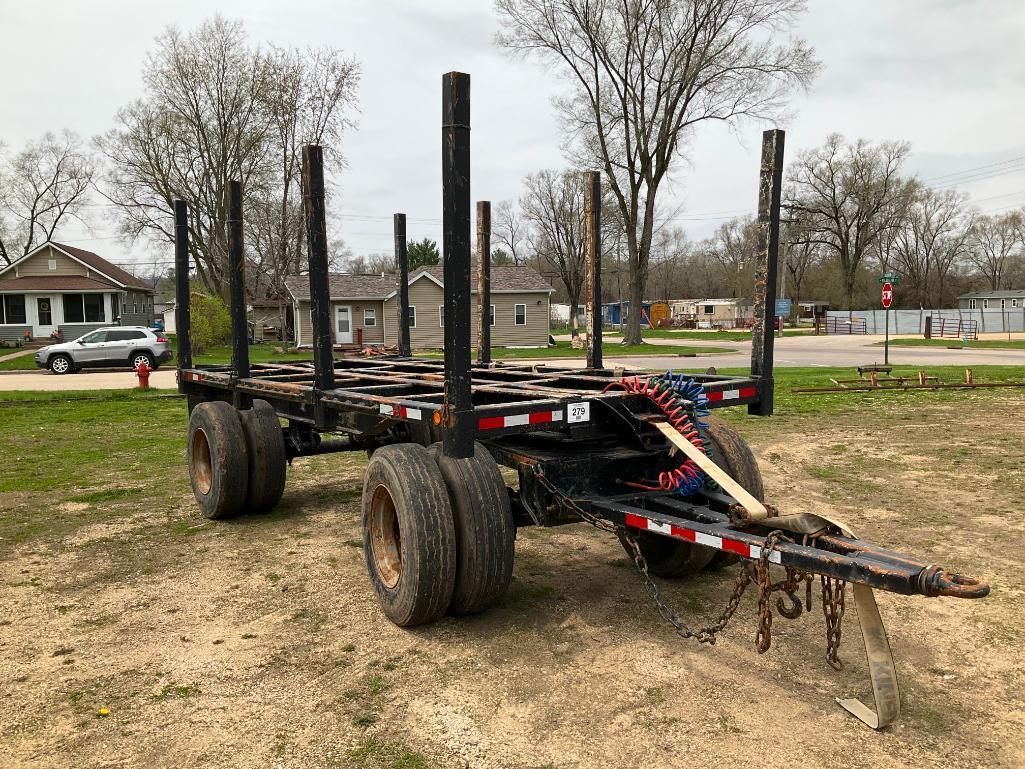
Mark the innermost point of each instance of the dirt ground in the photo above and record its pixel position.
(259, 643)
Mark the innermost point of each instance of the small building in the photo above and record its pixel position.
(57, 288)
(364, 308)
(1004, 299)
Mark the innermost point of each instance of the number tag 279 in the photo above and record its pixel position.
(578, 412)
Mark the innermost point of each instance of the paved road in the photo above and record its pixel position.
(819, 351)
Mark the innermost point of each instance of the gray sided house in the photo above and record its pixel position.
(992, 300)
(56, 287)
(367, 305)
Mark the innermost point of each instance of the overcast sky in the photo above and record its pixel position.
(947, 75)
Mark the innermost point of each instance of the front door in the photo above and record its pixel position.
(44, 316)
(343, 324)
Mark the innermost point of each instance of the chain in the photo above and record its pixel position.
(833, 608)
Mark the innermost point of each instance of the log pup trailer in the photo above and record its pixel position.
(639, 455)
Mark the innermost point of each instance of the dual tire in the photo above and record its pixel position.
(438, 532)
(236, 458)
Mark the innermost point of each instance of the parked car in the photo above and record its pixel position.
(126, 346)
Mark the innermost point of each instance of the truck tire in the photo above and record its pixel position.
(265, 444)
(218, 459)
(732, 453)
(408, 534)
(485, 532)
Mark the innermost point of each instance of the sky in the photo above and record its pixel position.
(946, 75)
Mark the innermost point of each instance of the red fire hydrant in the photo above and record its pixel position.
(143, 373)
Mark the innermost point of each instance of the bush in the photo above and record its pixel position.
(211, 323)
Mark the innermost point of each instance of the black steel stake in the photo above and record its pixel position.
(455, 179)
(402, 262)
(592, 246)
(237, 291)
(316, 243)
(483, 281)
(770, 182)
(182, 311)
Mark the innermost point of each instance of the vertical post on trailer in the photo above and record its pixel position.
(455, 179)
(316, 243)
(770, 182)
(483, 281)
(237, 291)
(592, 249)
(402, 262)
(182, 307)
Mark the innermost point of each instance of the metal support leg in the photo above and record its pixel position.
(455, 178)
(770, 181)
(592, 246)
(402, 263)
(237, 291)
(182, 312)
(316, 242)
(483, 281)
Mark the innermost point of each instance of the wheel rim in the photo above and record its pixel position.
(385, 538)
(202, 464)
(138, 361)
(60, 365)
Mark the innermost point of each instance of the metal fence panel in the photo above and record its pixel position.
(913, 321)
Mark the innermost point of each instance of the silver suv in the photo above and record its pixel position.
(125, 346)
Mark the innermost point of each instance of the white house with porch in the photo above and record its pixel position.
(60, 288)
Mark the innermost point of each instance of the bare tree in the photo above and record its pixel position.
(218, 109)
(799, 257)
(509, 231)
(993, 243)
(42, 186)
(929, 242)
(643, 73)
(733, 248)
(845, 195)
(669, 251)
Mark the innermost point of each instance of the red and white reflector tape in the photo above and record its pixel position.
(515, 420)
(732, 395)
(192, 377)
(700, 538)
(401, 412)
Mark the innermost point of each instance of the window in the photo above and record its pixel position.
(12, 308)
(441, 316)
(1003, 304)
(985, 304)
(521, 315)
(412, 316)
(709, 309)
(51, 264)
(115, 306)
(94, 338)
(971, 304)
(369, 318)
(43, 311)
(124, 336)
(492, 315)
(83, 308)
(1014, 303)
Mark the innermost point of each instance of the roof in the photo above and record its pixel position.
(56, 283)
(118, 278)
(1000, 294)
(507, 279)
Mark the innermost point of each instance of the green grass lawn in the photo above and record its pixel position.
(21, 363)
(996, 344)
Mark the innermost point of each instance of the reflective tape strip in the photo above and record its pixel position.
(515, 420)
(732, 395)
(401, 412)
(700, 538)
(190, 377)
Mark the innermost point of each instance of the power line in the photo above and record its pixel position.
(974, 170)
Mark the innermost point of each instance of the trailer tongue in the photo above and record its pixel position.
(639, 456)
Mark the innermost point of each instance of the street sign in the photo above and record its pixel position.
(887, 295)
(889, 277)
(783, 308)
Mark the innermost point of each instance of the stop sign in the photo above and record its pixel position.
(887, 295)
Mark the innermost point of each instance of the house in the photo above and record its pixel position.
(992, 300)
(59, 288)
(364, 308)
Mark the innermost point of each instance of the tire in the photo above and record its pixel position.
(136, 358)
(265, 446)
(672, 558)
(733, 454)
(485, 532)
(218, 459)
(61, 364)
(408, 534)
